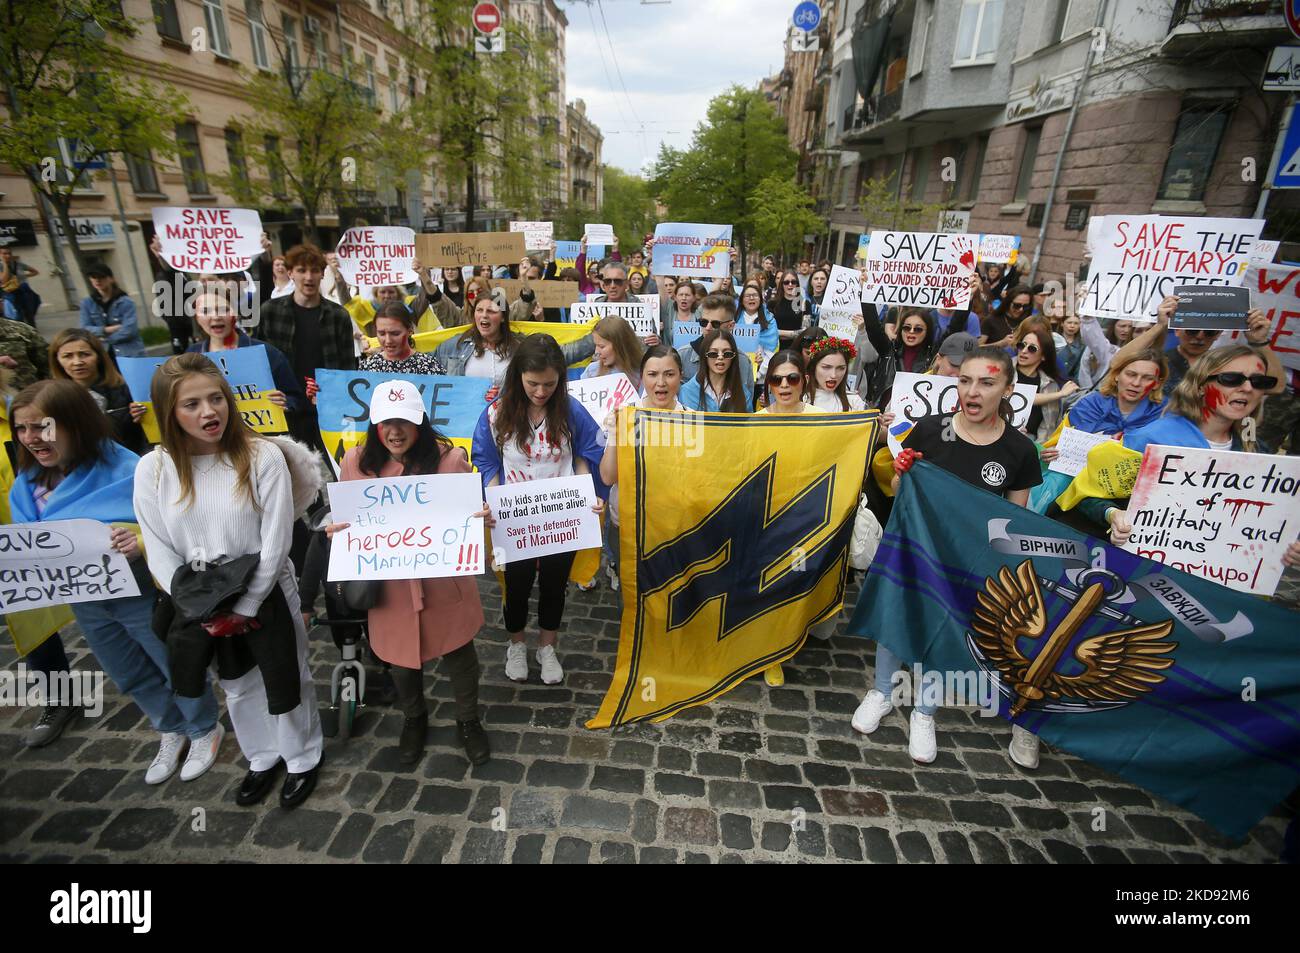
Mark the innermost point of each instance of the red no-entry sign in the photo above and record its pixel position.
(487, 17)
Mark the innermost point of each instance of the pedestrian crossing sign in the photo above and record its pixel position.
(1288, 163)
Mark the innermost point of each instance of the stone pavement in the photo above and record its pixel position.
(759, 775)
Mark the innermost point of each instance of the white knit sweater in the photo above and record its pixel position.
(220, 524)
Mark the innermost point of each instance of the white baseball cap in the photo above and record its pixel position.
(396, 399)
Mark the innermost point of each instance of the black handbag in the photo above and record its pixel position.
(356, 595)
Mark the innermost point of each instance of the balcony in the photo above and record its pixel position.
(874, 113)
(582, 155)
(1201, 26)
(814, 99)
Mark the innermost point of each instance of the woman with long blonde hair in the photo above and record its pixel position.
(618, 350)
(214, 491)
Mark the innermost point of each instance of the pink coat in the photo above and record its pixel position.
(420, 619)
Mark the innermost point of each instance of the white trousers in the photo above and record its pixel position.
(264, 738)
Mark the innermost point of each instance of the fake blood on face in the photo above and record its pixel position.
(1213, 401)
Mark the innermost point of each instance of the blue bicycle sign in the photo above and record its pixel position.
(807, 15)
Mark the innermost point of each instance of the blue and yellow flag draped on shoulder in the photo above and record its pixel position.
(734, 542)
(1185, 687)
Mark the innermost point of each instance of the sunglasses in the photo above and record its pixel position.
(707, 323)
(1017, 306)
(790, 379)
(614, 281)
(1031, 348)
(1207, 334)
(719, 355)
(789, 284)
(914, 329)
(1236, 379)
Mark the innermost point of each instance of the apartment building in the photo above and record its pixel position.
(586, 178)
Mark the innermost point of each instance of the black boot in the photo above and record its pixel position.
(475, 741)
(411, 744)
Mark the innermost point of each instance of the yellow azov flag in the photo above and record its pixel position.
(1110, 474)
(32, 627)
(563, 334)
(734, 534)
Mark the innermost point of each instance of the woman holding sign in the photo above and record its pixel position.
(78, 356)
(911, 348)
(417, 620)
(978, 444)
(534, 432)
(70, 468)
(718, 385)
(1216, 406)
(212, 493)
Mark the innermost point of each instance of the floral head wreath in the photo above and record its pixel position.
(823, 345)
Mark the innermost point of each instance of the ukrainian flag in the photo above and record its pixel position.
(734, 543)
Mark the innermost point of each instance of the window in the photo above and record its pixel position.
(167, 20)
(1036, 213)
(920, 172)
(257, 33)
(196, 179)
(922, 40)
(215, 18)
(274, 169)
(1025, 178)
(394, 89)
(1058, 26)
(978, 31)
(322, 44)
(144, 178)
(977, 169)
(1196, 146)
(235, 158)
(369, 62)
(291, 57)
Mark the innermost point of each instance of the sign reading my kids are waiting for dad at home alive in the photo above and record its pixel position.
(541, 517)
(410, 527)
(698, 251)
(1222, 515)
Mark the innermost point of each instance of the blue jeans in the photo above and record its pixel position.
(610, 543)
(887, 663)
(120, 633)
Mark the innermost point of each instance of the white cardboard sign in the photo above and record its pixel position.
(208, 240)
(60, 563)
(922, 395)
(539, 236)
(376, 256)
(919, 269)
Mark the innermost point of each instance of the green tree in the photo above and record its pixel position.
(885, 210)
(629, 206)
(783, 214)
(741, 142)
(484, 114)
(65, 78)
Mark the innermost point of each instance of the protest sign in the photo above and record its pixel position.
(1218, 514)
(746, 336)
(1139, 259)
(541, 517)
(1264, 252)
(1072, 448)
(643, 319)
(566, 255)
(59, 563)
(469, 248)
(602, 394)
(684, 332)
(599, 234)
(208, 240)
(247, 370)
(343, 405)
(697, 251)
(1275, 290)
(843, 291)
(922, 395)
(839, 324)
(375, 256)
(1206, 308)
(550, 294)
(923, 269)
(999, 249)
(863, 241)
(409, 527)
(538, 236)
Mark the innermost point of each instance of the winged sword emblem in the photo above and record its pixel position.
(1118, 666)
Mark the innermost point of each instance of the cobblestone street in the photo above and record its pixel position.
(759, 775)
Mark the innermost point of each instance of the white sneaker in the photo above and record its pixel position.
(921, 744)
(1023, 749)
(612, 575)
(552, 673)
(168, 758)
(517, 662)
(203, 753)
(873, 708)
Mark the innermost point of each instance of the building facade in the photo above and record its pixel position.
(586, 178)
(204, 50)
(966, 103)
